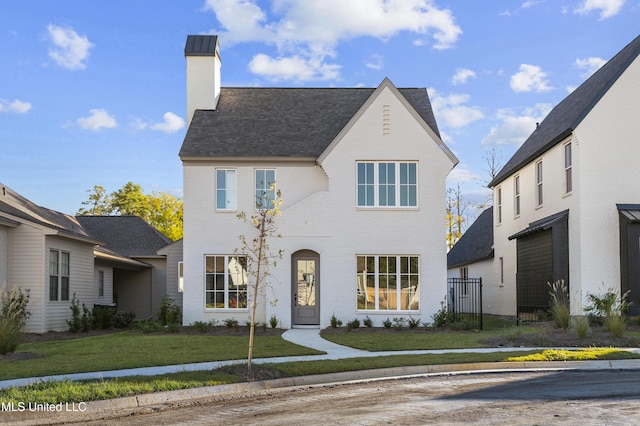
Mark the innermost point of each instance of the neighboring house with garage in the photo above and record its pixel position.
(102, 260)
(362, 173)
(567, 204)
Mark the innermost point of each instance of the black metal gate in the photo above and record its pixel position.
(465, 300)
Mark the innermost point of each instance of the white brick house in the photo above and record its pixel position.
(567, 204)
(362, 173)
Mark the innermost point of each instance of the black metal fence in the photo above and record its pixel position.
(464, 301)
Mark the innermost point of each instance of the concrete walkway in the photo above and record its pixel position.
(308, 337)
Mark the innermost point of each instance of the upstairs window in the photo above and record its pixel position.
(226, 189)
(499, 205)
(516, 196)
(539, 193)
(568, 161)
(265, 189)
(387, 184)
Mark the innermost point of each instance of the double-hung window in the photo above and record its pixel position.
(539, 193)
(225, 282)
(516, 196)
(499, 205)
(59, 271)
(568, 162)
(387, 283)
(265, 188)
(226, 189)
(387, 184)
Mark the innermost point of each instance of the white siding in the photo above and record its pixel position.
(4, 255)
(107, 297)
(173, 252)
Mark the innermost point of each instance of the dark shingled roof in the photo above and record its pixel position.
(16, 205)
(566, 116)
(282, 122)
(476, 244)
(127, 235)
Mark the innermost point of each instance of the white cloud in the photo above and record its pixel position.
(450, 111)
(589, 65)
(462, 75)
(16, 106)
(461, 174)
(607, 8)
(99, 119)
(309, 31)
(530, 78)
(375, 62)
(171, 124)
(69, 50)
(515, 129)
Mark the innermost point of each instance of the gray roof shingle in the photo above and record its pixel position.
(127, 235)
(566, 116)
(282, 122)
(476, 244)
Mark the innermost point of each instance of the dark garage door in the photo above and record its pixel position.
(535, 270)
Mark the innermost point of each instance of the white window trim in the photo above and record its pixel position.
(376, 185)
(226, 308)
(398, 274)
(255, 184)
(499, 205)
(235, 189)
(568, 169)
(517, 199)
(539, 179)
(59, 276)
(181, 277)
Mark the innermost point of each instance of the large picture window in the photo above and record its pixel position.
(387, 283)
(59, 271)
(225, 282)
(387, 184)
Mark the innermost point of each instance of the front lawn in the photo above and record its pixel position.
(132, 349)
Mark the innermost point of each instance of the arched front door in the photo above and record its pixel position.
(305, 288)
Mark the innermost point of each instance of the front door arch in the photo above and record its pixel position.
(305, 288)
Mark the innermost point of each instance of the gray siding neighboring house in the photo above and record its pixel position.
(103, 260)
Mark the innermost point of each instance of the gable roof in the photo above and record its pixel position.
(565, 117)
(476, 244)
(282, 122)
(126, 235)
(21, 209)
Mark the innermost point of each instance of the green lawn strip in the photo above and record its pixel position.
(83, 391)
(586, 354)
(131, 349)
(420, 339)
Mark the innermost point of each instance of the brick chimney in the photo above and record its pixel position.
(203, 73)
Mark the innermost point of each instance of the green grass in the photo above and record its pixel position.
(132, 349)
(92, 390)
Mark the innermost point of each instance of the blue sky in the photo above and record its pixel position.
(93, 92)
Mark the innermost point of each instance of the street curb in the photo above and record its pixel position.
(159, 401)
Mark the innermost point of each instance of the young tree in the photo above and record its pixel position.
(98, 204)
(455, 215)
(258, 254)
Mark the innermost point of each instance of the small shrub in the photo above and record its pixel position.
(13, 317)
(387, 323)
(124, 319)
(443, 317)
(169, 314)
(560, 308)
(413, 322)
(334, 321)
(581, 326)
(615, 324)
(399, 323)
(353, 324)
(601, 306)
(202, 326)
(149, 326)
(464, 323)
(273, 321)
(87, 319)
(367, 322)
(10, 339)
(231, 323)
(102, 317)
(75, 323)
